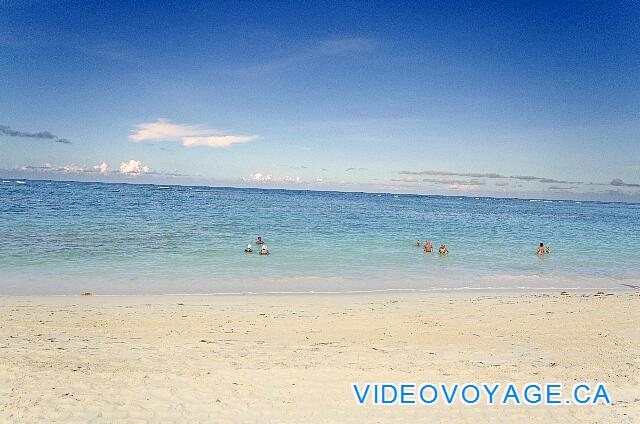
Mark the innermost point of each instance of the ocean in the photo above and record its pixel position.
(72, 237)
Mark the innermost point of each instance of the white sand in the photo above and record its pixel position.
(292, 358)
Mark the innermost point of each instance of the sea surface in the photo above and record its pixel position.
(71, 237)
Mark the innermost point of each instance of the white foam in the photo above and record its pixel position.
(523, 289)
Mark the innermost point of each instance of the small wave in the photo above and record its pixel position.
(163, 187)
(521, 289)
(20, 182)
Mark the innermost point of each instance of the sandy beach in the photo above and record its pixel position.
(293, 358)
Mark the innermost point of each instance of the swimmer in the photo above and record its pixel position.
(259, 241)
(443, 250)
(418, 243)
(541, 250)
(428, 248)
(264, 250)
(248, 249)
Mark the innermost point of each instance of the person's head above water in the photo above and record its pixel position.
(541, 244)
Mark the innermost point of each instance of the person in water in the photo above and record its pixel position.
(428, 248)
(259, 241)
(418, 243)
(264, 250)
(248, 249)
(541, 250)
(443, 250)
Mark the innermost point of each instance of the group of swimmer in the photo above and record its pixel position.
(263, 247)
(428, 248)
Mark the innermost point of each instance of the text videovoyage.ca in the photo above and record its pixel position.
(386, 394)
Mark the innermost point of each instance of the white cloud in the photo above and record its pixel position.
(258, 177)
(323, 49)
(464, 186)
(73, 168)
(164, 130)
(217, 141)
(103, 168)
(409, 179)
(133, 167)
(262, 178)
(190, 135)
(124, 172)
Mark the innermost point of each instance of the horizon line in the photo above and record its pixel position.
(322, 191)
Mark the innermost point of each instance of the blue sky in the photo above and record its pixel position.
(443, 98)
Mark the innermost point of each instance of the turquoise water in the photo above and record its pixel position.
(68, 237)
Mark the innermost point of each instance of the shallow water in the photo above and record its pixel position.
(69, 237)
